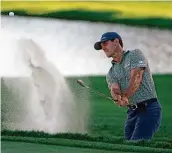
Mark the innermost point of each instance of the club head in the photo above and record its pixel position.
(81, 83)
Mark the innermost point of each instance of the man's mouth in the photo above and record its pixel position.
(105, 51)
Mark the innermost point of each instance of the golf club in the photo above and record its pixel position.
(81, 83)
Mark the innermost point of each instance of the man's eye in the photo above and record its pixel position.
(104, 43)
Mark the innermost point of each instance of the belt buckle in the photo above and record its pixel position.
(133, 106)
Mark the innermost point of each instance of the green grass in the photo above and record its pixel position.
(92, 145)
(17, 147)
(106, 123)
(150, 14)
(29, 136)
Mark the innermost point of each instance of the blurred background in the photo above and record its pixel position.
(47, 45)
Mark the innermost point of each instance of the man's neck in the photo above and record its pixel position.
(118, 57)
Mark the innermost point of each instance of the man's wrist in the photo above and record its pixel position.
(125, 94)
(116, 96)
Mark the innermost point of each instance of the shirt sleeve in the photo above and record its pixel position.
(110, 79)
(138, 59)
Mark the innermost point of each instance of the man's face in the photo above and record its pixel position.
(109, 48)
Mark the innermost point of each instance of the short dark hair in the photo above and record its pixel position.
(120, 42)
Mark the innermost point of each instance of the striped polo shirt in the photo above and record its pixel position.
(120, 73)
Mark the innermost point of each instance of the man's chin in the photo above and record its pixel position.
(109, 56)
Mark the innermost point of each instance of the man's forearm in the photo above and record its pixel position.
(134, 84)
(115, 91)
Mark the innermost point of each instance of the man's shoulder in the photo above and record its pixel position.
(110, 70)
(134, 51)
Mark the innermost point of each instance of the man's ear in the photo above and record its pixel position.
(116, 41)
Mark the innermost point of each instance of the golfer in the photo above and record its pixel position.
(131, 84)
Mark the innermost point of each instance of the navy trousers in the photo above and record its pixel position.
(142, 126)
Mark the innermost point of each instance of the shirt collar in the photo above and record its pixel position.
(125, 52)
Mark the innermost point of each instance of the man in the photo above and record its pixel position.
(131, 85)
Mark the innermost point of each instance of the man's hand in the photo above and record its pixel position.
(123, 101)
(116, 95)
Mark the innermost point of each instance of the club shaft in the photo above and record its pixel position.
(100, 94)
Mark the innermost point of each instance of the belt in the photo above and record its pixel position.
(143, 103)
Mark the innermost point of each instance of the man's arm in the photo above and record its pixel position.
(116, 95)
(138, 63)
(113, 85)
(135, 81)
(115, 91)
